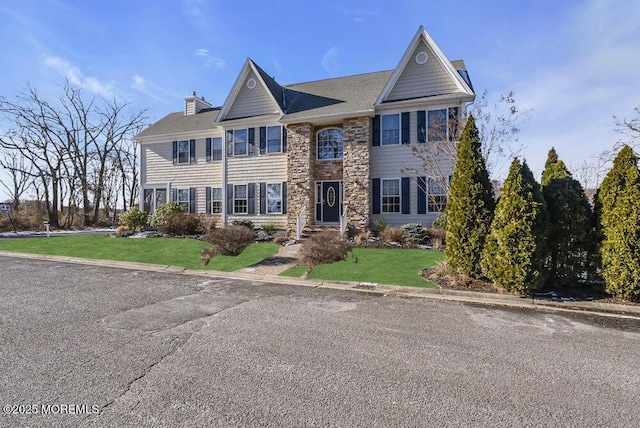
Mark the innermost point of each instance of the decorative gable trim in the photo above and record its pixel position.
(422, 35)
(248, 67)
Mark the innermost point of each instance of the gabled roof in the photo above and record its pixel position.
(422, 38)
(178, 122)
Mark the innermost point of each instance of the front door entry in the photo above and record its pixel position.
(328, 202)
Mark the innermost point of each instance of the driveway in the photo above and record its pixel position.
(96, 346)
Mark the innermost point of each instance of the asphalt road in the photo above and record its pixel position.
(93, 346)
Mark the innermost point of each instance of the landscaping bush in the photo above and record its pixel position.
(381, 225)
(324, 247)
(269, 228)
(208, 222)
(228, 241)
(162, 213)
(414, 233)
(123, 232)
(437, 238)
(245, 223)
(181, 224)
(440, 222)
(133, 218)
(391, 234)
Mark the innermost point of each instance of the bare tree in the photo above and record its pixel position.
(20, 173)
(630, 128)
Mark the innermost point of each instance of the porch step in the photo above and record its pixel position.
(308, 231)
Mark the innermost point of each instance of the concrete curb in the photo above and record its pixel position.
(596, 308)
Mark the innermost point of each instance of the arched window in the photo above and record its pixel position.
(330, 143)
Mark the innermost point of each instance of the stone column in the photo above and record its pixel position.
(300, 180)
(357, 172)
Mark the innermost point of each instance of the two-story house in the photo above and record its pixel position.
(326, 152)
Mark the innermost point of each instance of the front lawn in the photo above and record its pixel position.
(163, 251)
(383, 266)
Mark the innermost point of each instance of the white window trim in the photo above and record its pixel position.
(382, 195)
(216, 200)
(188, 152)
(266, 197)
(221, 149)
(188, 201)
(399, 129)
(318, 144)
(246, 198)
(246, 142)
(428, 194)
(267, 139)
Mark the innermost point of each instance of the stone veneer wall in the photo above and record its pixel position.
(356, 172)
(300, 179)
(327, 170)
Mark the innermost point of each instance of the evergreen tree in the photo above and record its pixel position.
(619, 215)
(514, 253)
(470, 206)
(570, 223)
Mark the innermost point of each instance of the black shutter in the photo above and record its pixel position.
(263, 140)
(406, 202)
(405, 123)
(208, 149)
(251, 198)
(174, 195)
(252, 141)
(263, 198)
(376, 196)
(422, 195)
(229, 143)
(284, 197)
(175, 152)
(229, 198)
(422, 126)
(376, 131)
(284, 139)
(192, 151)
(208, 200)
(192, 200)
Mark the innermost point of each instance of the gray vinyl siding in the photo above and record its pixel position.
(422, 80)
(251, 102)
(201, 174)
(258, 169)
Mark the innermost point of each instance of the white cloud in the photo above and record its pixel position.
(140, 84)
(76, 77)
(194, 10)
(209, 60)
(330, 60)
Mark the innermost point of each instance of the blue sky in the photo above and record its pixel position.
(574, 63)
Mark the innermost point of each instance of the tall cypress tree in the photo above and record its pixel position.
(470, 206)
(514, 253)
(619, 206)
(570, 223)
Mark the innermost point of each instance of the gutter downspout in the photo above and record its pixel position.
(224, 177)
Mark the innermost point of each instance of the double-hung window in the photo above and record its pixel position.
(436, 196)
(184, 154)
(238, 141)
(274, 198)
(390, 195)
(240, 199)
(274, 139)
(437, 125)
(183, 199)
(216, 148)
(216, 200)
(330, 144)
(390, 129)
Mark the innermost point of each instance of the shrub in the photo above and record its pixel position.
(228, 241)
(440, 222)
(181, 224)
(324, 247)
(162, 213)
(123, 232)
(245, 223)
(381, 225)
(133, 218)
(269, 228)
(391, 234)
(415, 233)
(208, 222)
(437, 238)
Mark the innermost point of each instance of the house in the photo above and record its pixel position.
(323, 153)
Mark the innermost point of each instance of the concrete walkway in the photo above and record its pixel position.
(270, 274)
(286, 257)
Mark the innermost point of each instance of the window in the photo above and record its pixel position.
(184, 154)
(436, 196)
(148, 200)
(390, 128)
(330, 144)
(437, 125)
(182, 199)
(153, 198)
(216, 148)
(391, 195)
(274, 198)
(216, 200)
(274, 139)
(238, 141)
(240, 200)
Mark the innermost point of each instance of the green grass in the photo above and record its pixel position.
(383, 266)
(163, 251)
